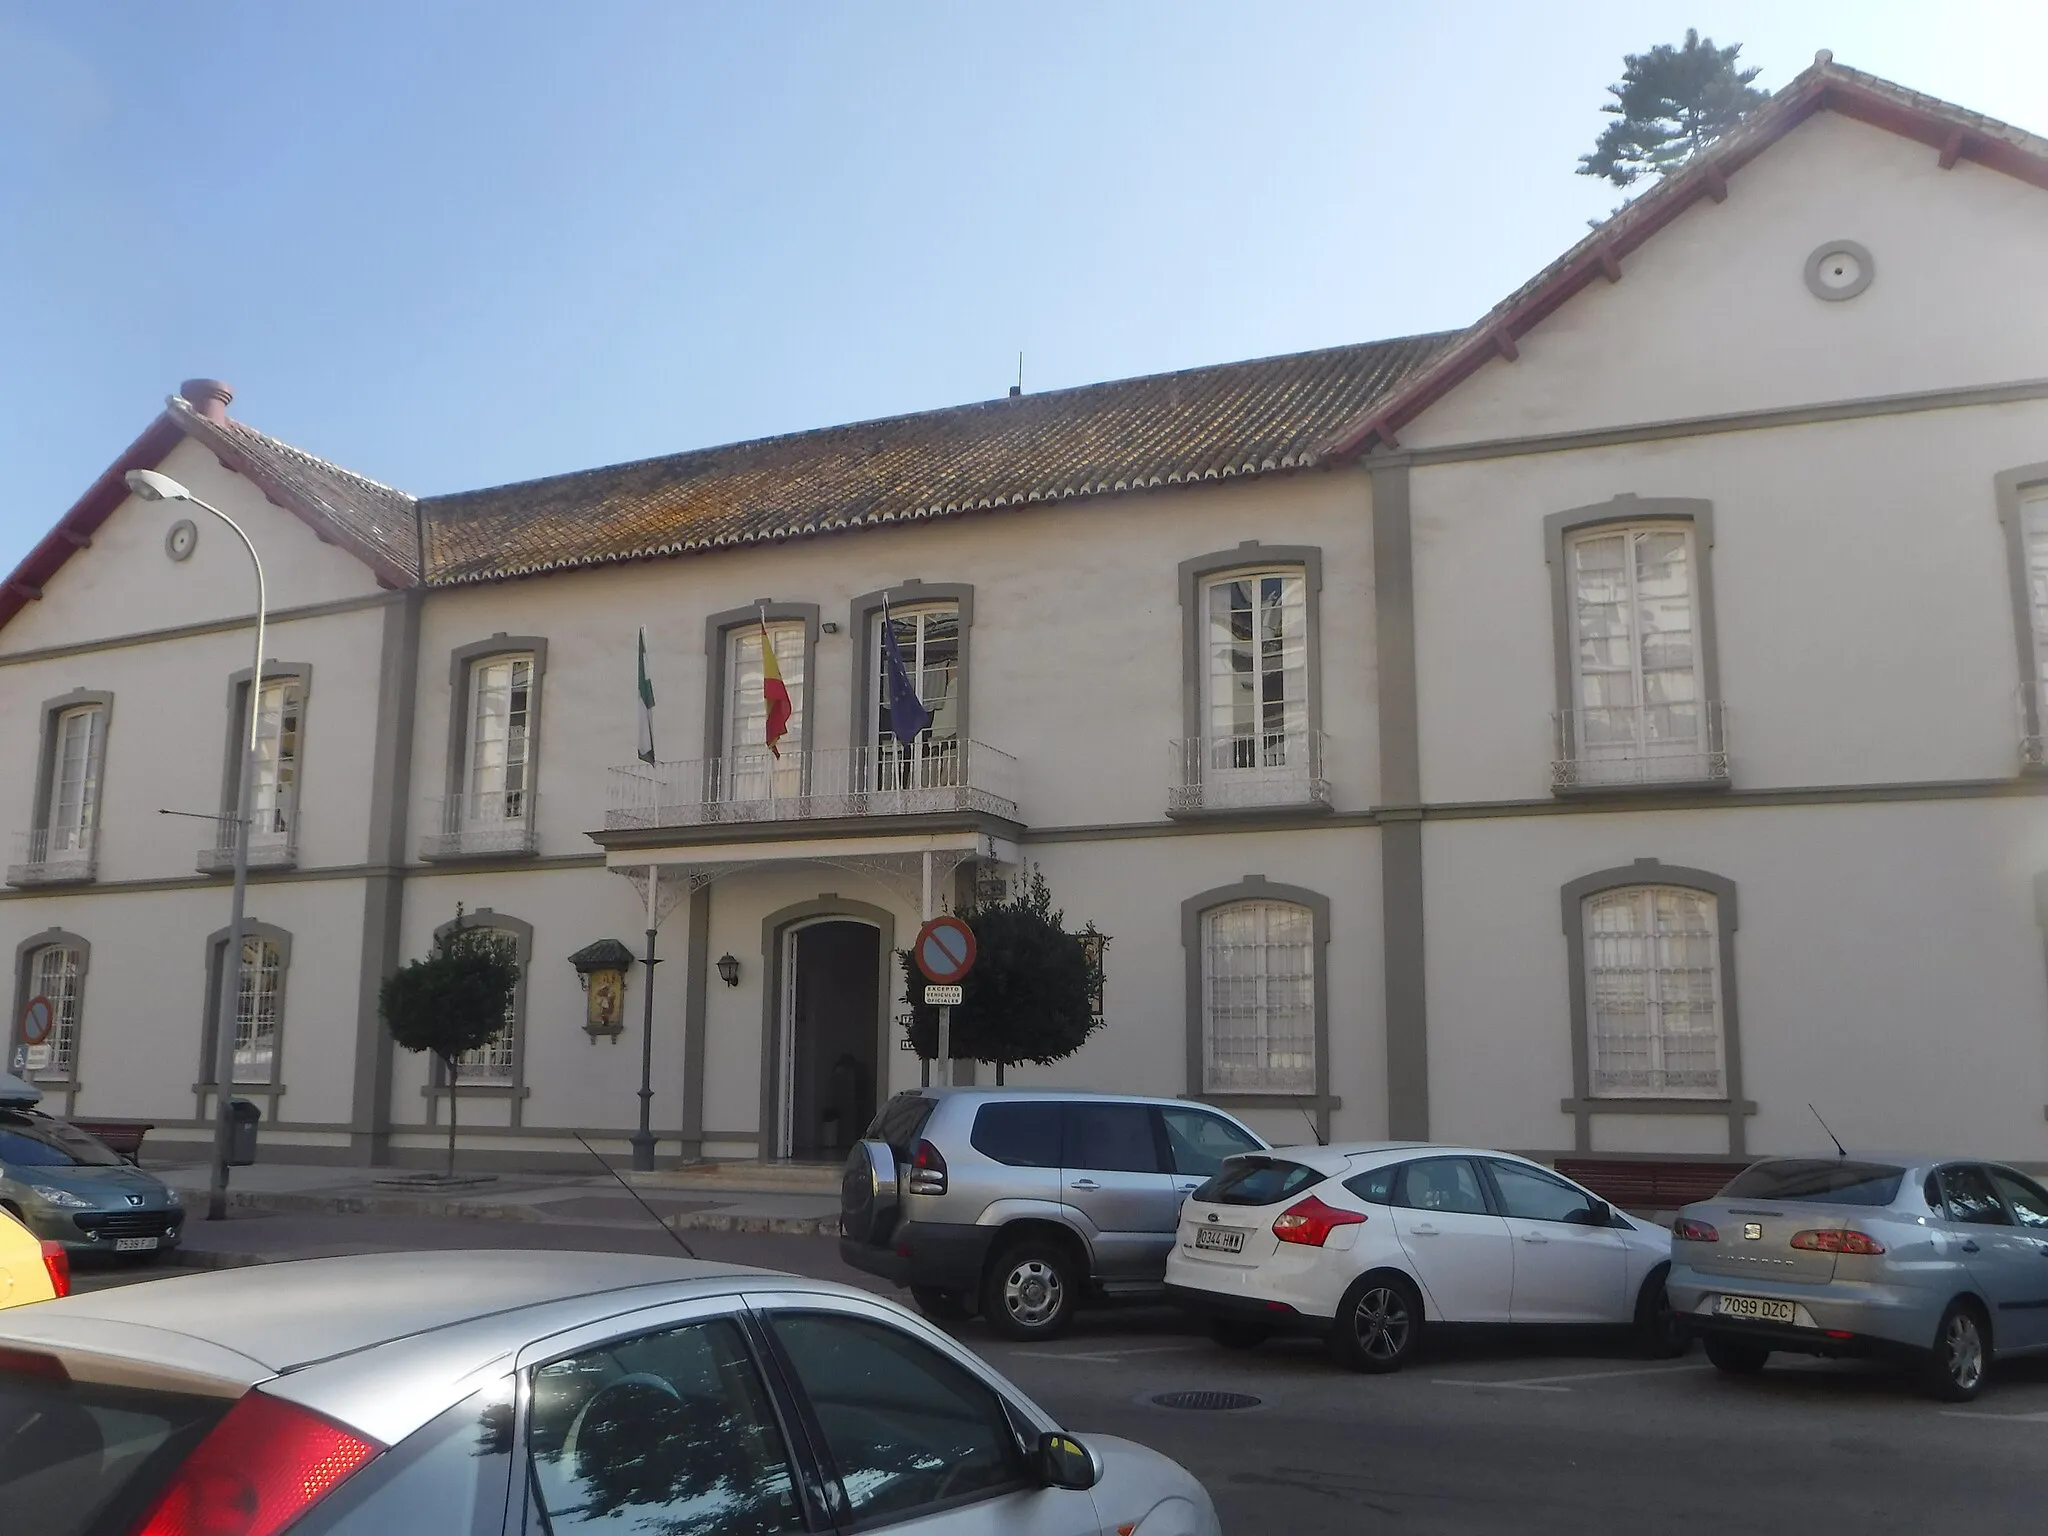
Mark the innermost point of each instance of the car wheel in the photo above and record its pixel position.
(1955, 1368)
(1379, 1325)
(1661, 1334)
(939, 1305)
(1030, 1291)
(1736, 1357)
(1232, 1333)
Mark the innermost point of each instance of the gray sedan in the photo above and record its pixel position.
(600, 1394)
(1940, 1263)
(66, 1186)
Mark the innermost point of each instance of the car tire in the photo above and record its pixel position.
(1379, 1324)
(1234, 1333)
(1661, 1334)
(1955, 1368)
(1736, 1357)
(941, 1306)
(1030, 1290)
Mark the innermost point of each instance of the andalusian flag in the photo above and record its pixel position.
(774, 691)
(646, 705)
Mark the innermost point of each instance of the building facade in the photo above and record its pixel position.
(1609, 729)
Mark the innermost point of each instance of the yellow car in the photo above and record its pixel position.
(31, 1269)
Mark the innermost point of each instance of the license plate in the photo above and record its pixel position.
(1757, 1308)
(134, 1244)
(1220, 1239)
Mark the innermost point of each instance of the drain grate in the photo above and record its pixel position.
(1206, 1401)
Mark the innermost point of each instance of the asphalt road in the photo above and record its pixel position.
(1485, 1435)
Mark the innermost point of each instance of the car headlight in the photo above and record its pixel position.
(60, 1197)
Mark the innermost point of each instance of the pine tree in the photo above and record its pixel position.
(1671, 103)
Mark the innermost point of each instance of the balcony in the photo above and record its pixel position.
(1271, 770)
(52, 856)
(1637, 745)
(493, 824)
(938, 778)
(273, 844)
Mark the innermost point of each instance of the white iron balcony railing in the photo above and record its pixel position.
(52, 856)
(481, 824)
(1266, 769)
(933, 778)
(2033, 712)
(1641, 744)
(273, 843)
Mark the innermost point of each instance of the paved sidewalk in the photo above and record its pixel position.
(786, 1201)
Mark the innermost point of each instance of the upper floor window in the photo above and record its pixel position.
(274, 797)
(53, 975)
(2034, 542)
(78, 741)
(928, 640)
(497, 772)
(754, 771)
(1255, 685)
(1653, 993)
(1258, 998)
(1635, 662)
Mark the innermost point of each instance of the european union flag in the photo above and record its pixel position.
(908, 718)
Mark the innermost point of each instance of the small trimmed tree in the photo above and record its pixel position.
(1671, 103)
(1030, 996)
(452, 1002)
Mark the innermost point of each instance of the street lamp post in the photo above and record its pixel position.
(148, 485)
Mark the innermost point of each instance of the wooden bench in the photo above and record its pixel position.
(121, 1137)
(1647, 1183)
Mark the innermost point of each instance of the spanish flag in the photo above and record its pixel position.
(774, 691)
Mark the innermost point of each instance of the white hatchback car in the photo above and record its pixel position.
(1367, 1243)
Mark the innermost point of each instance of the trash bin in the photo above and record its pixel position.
(242, 1118)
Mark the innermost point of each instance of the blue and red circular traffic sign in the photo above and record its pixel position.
(37, 1020)
(944, 950)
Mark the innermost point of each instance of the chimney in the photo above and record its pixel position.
(1016, 391)
(209, 397)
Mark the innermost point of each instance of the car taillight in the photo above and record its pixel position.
(1310, 1221)
(58, 1263)
(1838, 1242)
(1686, 1230)
(927, 1170)
(264, 1465)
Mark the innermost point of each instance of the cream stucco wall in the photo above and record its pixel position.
(1889, 970)
(1861, 586)
(1075, 660)
(125, 584)
(1713, 315)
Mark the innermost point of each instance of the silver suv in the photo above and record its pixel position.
(1025, 1202)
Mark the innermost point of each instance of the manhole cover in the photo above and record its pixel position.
(1209, 1401)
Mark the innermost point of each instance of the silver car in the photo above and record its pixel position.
(64, 1185)
(1941, 1263)
(1024, 1202)
(476, 1394)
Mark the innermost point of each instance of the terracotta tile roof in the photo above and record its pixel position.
(372, 520)
(1232, 420)
(1956, 133)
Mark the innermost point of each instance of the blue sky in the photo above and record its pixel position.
(451, 244)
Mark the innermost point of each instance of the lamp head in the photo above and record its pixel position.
(151, 486)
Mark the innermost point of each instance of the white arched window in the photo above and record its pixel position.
(497, 1059)
(1653, 993)
(1258, 998)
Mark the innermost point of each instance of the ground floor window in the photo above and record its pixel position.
(52, 978)
(259, 1010)
(1258, 998)
(1653, 991)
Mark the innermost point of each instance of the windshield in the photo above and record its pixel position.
(36, 1141)
(1829, 1181)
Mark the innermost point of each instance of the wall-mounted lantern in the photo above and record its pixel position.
(729, 969)
(1092, 946)
(601, 972)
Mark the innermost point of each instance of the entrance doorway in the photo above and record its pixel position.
(832, 977)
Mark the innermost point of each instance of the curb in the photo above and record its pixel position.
(782, 1226)
(381, 1205)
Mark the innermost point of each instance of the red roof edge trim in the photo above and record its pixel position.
(1818, 89)
(76, 527)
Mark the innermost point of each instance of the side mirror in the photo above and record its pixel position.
(1064, 1462)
